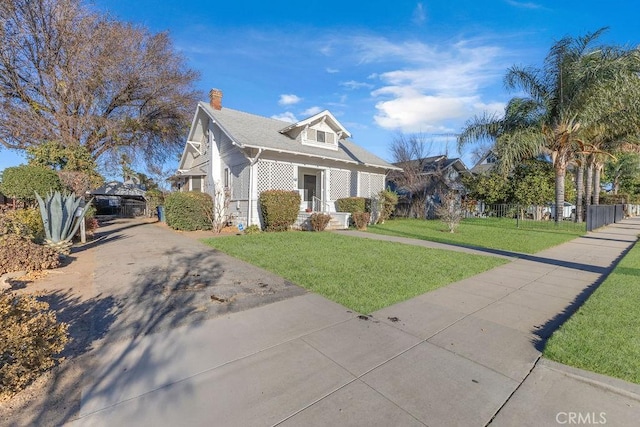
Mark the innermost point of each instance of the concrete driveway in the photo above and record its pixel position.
(466, 354)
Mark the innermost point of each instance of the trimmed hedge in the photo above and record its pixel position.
(189, 211)
(279, 209)
(351, 204)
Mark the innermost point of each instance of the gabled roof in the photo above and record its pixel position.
(252, 131)
(115, 188)
(323, 115)
(438, 163)
(483, 166)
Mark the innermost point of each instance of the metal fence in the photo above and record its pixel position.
(130, 208)
(601, 215)
(533, 216)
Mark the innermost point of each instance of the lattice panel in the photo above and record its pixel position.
(365, 185)
(377, 183)
(371, 184)
(340, 185)
(240, 182)
(264, 176)
(282, 176)
(275, 176)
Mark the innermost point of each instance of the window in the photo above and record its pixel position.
(321, 136)
(196, 183)
(227, 178)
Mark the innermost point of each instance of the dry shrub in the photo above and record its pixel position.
(361, 219)
(31, 337)
(18, 253)
(319, 221)
(23, 222)
(450, 210)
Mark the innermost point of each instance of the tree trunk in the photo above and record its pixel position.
(579, 192)
(589, 184)
(596, 183)
(561, 171)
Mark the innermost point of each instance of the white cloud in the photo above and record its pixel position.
(419, 14)
(434, 90)
(287, 116)
(353, 85)
(289, 99)
(311, 111)
(332, 70)
(524, 5)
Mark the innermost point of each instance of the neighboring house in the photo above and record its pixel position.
(486, 163)
(421, 183)
(242, 154)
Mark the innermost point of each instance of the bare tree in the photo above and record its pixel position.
(450, 210)
(71, 75)
(410, 153)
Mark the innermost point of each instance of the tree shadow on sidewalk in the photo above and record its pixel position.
(108, 339)
(544, 331)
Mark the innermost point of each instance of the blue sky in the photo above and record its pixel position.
(380, 67)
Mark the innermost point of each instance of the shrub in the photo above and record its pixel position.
(155, 198)
(23, 222)
(614, 199)
(22, 182)
(279, 209)
(189, 211)
(31, 336)
(361, 219)
(388, 200)
(319, 221)
(450, 210)
(252, 229)
(18, 253)
(351, 204)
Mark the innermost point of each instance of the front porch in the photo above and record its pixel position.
(339, 221)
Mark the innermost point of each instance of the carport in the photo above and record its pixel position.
(120, 199)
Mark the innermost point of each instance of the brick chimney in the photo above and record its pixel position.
(215, 99)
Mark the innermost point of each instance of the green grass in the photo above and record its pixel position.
(603, 336)
(493, 233)
(362, 274)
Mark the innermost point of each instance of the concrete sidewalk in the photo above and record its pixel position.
(466, 354)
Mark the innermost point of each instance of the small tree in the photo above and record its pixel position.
(219, 214)
(22, 182)
(450, 210)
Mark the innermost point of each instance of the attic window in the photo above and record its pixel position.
(321, 136)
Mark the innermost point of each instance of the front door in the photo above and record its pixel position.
(309, 186)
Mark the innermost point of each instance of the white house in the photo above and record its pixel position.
(247, 154)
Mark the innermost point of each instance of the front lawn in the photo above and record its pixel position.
(493, 233)
(362, 274)
(603, 336)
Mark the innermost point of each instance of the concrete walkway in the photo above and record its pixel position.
(466, 354)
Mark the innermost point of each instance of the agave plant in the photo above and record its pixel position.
(61, 215)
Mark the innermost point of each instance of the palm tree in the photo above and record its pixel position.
(563, 96)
